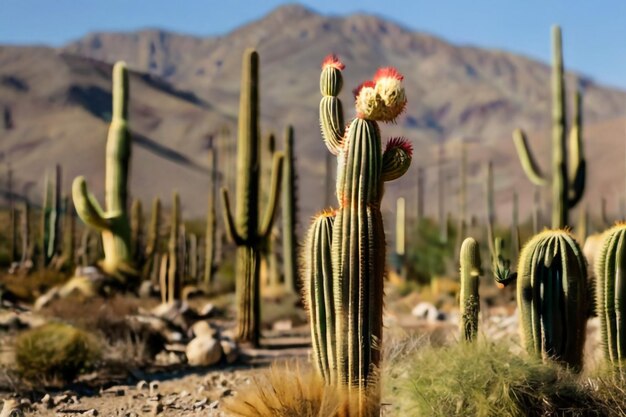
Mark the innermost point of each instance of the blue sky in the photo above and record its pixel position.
(594, 31)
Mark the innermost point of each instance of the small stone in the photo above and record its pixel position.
(208, 310)
(282, 325)
(154, 386)
(199, 404)
(61, 399)
(91, 412)
(131, 414)
(203, 351)
(170, 400)
(214, 405)
(183, 394)
(203, 328)
(142, 385)
(47, 401)
(231, 351)
(145, 289)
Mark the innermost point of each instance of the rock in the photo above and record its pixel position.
(81, 285)
(91, 412)
(45, 299)
(178, 313)
(47, 402)
(282, 325)
(11, 409)
(204, 351)
(146, 289)
(208, 310)
(59, 399)
(183, 394)
(428, 312)
(203, 328)
(10, 320)
(230, 350)
(214, 405)
(170, 358)
(142, 385)
(200, 404)
(154, 387)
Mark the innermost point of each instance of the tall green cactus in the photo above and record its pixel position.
(358, 243)
(51, 216)
(318, 295)
(568, 171)
(211, 221)
(113, 223)
(152, 243)
(611, 294)
(552, 297)
(289, 214)
(246, 229)
(469, 259)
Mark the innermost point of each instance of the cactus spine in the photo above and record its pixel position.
(113, 223)
(245, 229)
(318, 295)
(551, 297)
(358, 242)
(568, 185)
(289, 207)
(211, 222)
(469, 301)
(611, 294)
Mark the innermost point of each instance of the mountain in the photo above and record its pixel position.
(187, 87)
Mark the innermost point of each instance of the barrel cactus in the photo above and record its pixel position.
(552, 297)
(358, 241)
(114, 222)
(611, 294)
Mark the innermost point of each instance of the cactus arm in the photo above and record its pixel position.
(87, 206)
(331, 109)
(396, 159)
(270, 210)
(577, 164)
(229, 222)
(529, 164)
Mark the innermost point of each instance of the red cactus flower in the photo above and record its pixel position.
(388, 72)
(333, 61)
(402, 143)
(368, 83)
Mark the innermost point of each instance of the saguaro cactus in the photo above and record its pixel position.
(112, 223)
(318, 294)
(611, 294)
(152, 244)
(358, 244)
(137, 232)
(51, 213)
(174, 273)
(551, 297)
(211, 222)
(568, 185)
(245, 229)
(289, 214)
(469, 301)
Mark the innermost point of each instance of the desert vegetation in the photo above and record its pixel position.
(243, 315)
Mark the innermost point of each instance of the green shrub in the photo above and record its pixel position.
(54, 352)
(483, 379)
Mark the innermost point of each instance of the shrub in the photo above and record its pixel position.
(483, 379)
(54, 352)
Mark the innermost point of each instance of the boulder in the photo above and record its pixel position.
(204, 351)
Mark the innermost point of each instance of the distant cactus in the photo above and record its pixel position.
(211, 221)
(137, 232)
(246, 229)
(174, 278)
(152, 244)
(552, 297)
(51, 213)
(469, 300)
(400, 252)
(112, 223)
(568, 177)
(289, 214)
(611, 294)
(318, 294)
(358, 243)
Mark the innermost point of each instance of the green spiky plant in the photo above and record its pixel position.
(552, 297)
(469, 259)
(113, 223)
(610, 265)
(152, 244)
(289, 214)
(211, 221)
(318, 297)
(568, 176)
(245, 228)
(51, 215)
(136, 232)
(358, 244)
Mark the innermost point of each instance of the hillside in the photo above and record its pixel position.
(454, 92)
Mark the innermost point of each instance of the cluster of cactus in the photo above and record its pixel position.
(245, 228)
(354, 261)
(113, 223)
(568, 170)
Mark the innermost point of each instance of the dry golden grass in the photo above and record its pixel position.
(291, 390)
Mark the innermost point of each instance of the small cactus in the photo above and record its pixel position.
(552, 297)
(611, 294)
(470, 301)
